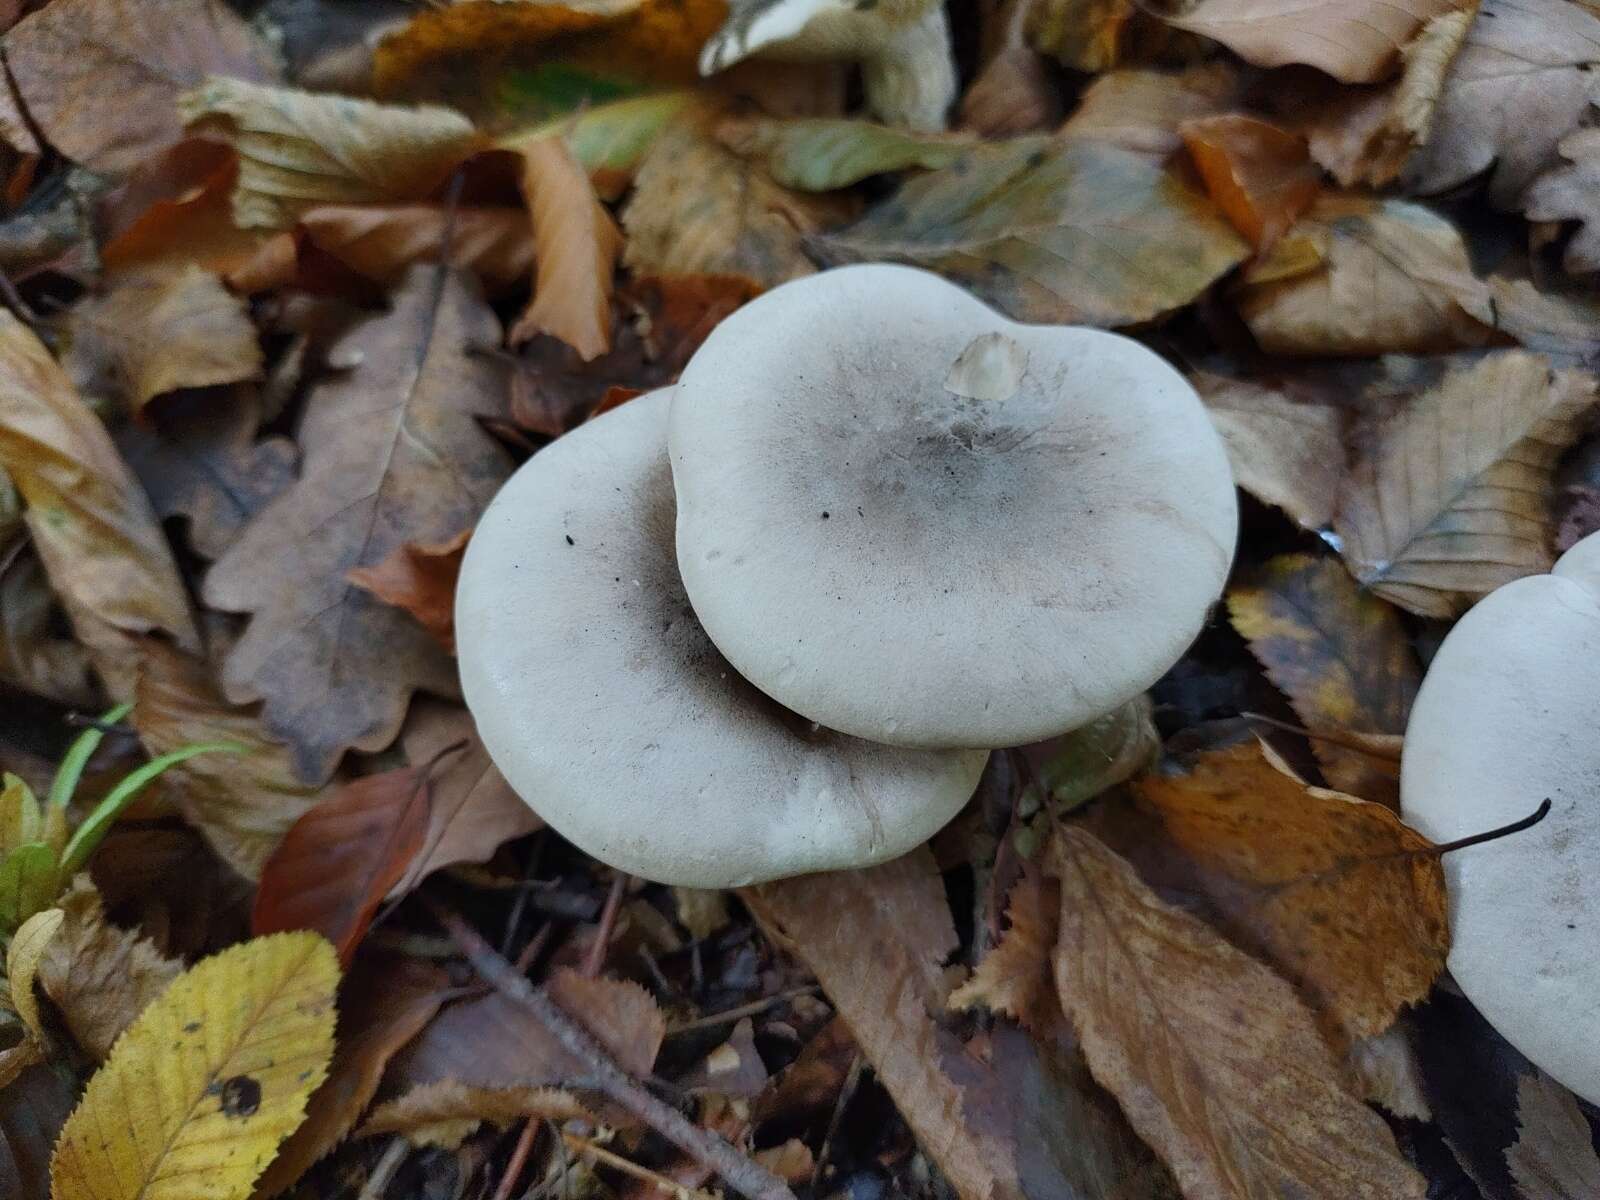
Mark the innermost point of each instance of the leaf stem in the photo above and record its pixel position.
(1527, 822)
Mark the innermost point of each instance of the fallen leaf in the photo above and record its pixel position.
(1051, 230)
(1563, 326)
(299, 149)
(611, 140)
(1358, 276)
(208, 1080)
(91, 524)
(1553, 1157)
(33, 1107)
(99, 976)
(176, 210)
(826, 153)
(28, 946)
(243, 804)
(1215, 1060)
(339, 860)
(1095, 35)
(381, 240)
(420, 578)
(1386, 1070)
(1450, 496)
(443, 1114)
(732, 1068)
(100, 77)
(383, 1004)
(791, 1161)
(1260, 176)
(1355, 41)
(700, 209)
(1013, 92)
(34, 654)
(1567, 193)
(577, 244)
(1014, 978)
(1080, 765)
(1339, 654)
(1141, 110)
(393, 453)
(1523, 80)
(157, 330)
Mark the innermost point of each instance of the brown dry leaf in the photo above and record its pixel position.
(1285, 449)
(1215, 1060)
(1524, 79)
(1450, 495)
(823, 154)
(420, 578)
(1553, 1157)
(383, 1004)
(1141, 110)
(474, 810)
(300, 149)
(1014, 979)
(1052, 230)
(1568, 193)
(1013, 93)
(732, 1068)
(1096, 35)
(790, 1161)
(1355, 41)
(381, 240)
(156, 330)
(1329, 887)
(1387, 1073)
(91, 524)
(33, 1107)
(99, 976)
(243, 804)
(1260, 176)
(33, 652)
(393, 453)
(100, 77)
(577, 246)
(443, 1114)
(700, 209)
(1339, 654)
(1360, 276)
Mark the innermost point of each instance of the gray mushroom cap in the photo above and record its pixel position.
(1508, 716)
(911, 519)
(611, 713)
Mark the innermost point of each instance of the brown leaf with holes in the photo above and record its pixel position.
(100, 78)
(1014, 979)
(1339, 654)
(1142, 110)
(1553, 1157)
(394, 452)
(443, 1114)
(1215, 1060)
(381, 241)
(1450, 495)
(99, 976)
(420, 578)
(1259, 175)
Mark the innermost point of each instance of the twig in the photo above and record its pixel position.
(628, 1167)
(596, 958)
(744, 1010)
(852, 1080)
(519, 1159)
(611, 1080)
(383, 1174)
(531, 949)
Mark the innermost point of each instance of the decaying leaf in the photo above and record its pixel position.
(157, 330)
(1336, 892)
(1052, 230)
(1141, 110)
(443, 1114)
(208, 1080)
(1259, 175)
(1285, 449)
(100, 77)
(1568, 193)
(1215, 1060)
(1339, 654)
(1553, 1157)
(823, 154)
(301, 149)
(1015, 978)
(381, 241)
(393, 453)
(1450, 496)
(422, 580)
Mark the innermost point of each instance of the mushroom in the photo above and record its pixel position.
(609, 711)
(915, 521)
(1508, 716)
(908, 74)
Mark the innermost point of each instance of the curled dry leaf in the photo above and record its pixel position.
(1336, 892)
(159, 329)
(1141, 110)
(446, 1113)
(1285, 449)
(100, 77)
(1260, 176)
(1450, 495)
(300, 149)
(1014, 979)
(394, 453)
(823, 154)
(1553, 1157)
(1215, 1060)
(1339, 654)
(381, 240)
(209, 1080)
(90, 521)
(1568, 193)
(1052, 230)
(420, 578)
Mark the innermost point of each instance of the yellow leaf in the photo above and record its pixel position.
(22, 964)
(300, 149)
(200, 1090)
(20, 816)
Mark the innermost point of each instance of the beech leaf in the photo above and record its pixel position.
(1142, 110)
(1259, 175)
(381, 240)
(825, 153)
(1553, 1157)
(28, 946)
(1014, 979)
(420, 578)
(444, 1113)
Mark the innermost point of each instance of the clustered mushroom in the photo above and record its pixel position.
(772, 620)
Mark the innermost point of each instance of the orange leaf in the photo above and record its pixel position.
(1014, 979)
(381, 240)
(1260, 176)
(178, 209)
(419, 577)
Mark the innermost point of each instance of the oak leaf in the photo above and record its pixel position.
(420, 578)
(1141, 110)
(822, 154)
(381, 240)
(1553, 1157)
(1339, 654)
(1567, 193)
(1216, 1061)
(208, 1081)
(445, 1113)
(1259, 175)
(1014, 978)
(100, 77)
(1052, 230)
(1450, 494)
(393, 453)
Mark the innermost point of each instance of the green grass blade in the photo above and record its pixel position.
(77, 758)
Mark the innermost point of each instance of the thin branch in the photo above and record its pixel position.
(744, 1010)
(519, 1159)
(628, 1167)
(596, 958)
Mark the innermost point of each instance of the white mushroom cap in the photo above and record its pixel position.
(1509, 715)
(610, 712)
(913, 520)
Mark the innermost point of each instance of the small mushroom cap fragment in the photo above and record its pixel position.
(909, 518)
(612, 714)
(1509, 715)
